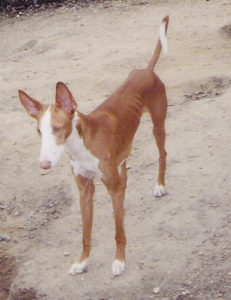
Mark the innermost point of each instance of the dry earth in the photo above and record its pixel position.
(179, 246)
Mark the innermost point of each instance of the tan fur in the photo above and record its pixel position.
(61, 124)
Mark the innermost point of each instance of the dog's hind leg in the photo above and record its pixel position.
(159, 133)
(116, 186)
(158, 111)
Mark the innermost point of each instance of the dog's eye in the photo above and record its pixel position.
(56, 129)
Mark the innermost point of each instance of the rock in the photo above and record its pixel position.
(16, 213)
(4, 237)
(185, 293)
(156, 290)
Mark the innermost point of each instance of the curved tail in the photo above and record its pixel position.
(162, 43)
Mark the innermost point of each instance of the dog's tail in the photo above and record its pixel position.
(162, 43)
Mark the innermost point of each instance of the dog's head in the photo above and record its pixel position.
(54, 123)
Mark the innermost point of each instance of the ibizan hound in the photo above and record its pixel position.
(99, 142)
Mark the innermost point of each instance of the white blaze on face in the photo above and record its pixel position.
(50, 150)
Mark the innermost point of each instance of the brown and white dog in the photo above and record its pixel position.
(100, 142)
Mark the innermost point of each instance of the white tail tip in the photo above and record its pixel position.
(163, 39)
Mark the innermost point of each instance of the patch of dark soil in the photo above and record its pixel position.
(7, 273)
(226, 30)
(52, 206)
(24, 294)
(29, 7)
(209, 88)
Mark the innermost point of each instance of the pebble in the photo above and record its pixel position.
(156, 290)
(66, 253)
(185, 293)
(4, 237)
(31, 214)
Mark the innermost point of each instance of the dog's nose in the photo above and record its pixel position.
(46, 164)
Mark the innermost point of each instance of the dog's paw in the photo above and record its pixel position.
(159, 190)
(118, 267)
(78, 268)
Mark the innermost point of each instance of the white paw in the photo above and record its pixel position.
(159, 190)
(77, 268)
(118, 267)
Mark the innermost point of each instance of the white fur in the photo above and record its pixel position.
(118, 267)
(50, 150)
(77, 268)
(163, 39)
(159, 190)
(83, 162)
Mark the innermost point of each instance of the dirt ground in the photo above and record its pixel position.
(179, 246)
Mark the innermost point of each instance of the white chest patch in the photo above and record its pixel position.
(83, 162)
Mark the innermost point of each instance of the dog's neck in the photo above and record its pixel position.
(74, 143)
(82, 160)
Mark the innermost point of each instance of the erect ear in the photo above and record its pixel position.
(32, 106)
(64, 99)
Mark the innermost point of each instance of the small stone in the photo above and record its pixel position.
(31, 214)
(66, 253)
(4, 237)
(156, 290)
(185, 293)
(173, 212)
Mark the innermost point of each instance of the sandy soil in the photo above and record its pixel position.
(179, 246)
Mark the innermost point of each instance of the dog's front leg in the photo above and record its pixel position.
(86, 190)
(116, 186)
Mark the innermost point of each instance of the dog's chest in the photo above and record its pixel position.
(87, 166)
(82, 161)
